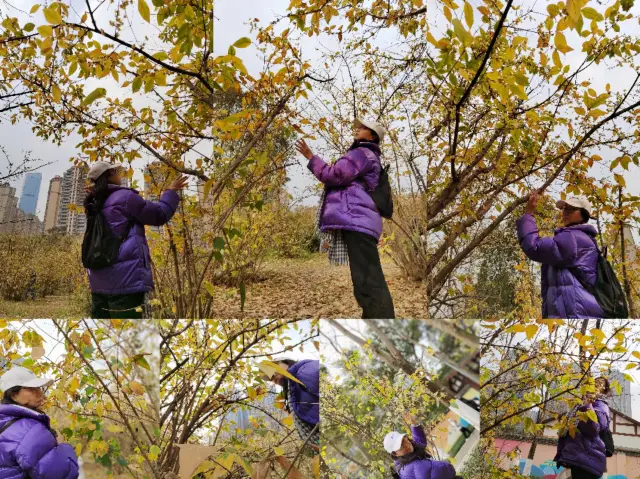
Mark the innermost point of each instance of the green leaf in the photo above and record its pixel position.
(94, 95)
(218, 243)
(137, 84)
(521, 79)
(141, 361)
(244, 42)
(143, 8)
(29, 27)
(162, 56)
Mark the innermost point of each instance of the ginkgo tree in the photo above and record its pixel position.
(483, 102)
(534, 373)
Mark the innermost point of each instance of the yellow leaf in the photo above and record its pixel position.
(279, 451)
(573, 10)
(580, 111)
(143, 8)
(56, 93)
(468, 14)
(94, 95)
(560, 42)
(34, 9)
(52, 15)
(591, 414)
(136, 388)
(45, 30)
(531, 330)
(316, 467)
(288, 421)
(72, 385)
(251, 392)
(270, 368)
(115, 429)
(244, 42)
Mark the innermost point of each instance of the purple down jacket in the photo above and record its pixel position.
(348, 206)
(28, 448)
(586, 450)
(306, 402)
(131, 273)
(572, 251)
(424, 468)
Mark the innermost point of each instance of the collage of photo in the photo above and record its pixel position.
(319, 239)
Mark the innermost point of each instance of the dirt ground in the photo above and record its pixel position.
(289, 288)
(313, 288)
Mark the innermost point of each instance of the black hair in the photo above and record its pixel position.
(7, 397)
(585, 215)
(94, 201)
(419, 453)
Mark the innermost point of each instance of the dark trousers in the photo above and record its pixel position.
(577, 473)
(118, 306)
(369, 286)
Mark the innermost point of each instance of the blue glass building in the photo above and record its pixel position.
(30, 193)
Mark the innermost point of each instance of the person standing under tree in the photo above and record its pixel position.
(569, 259)
(349, 218)
(120, 290)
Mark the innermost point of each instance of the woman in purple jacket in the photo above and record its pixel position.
(585, 453)
(120, 290)
(302, 400)
(412, 461)
(569, 259)
(349, 212)
(29, 448)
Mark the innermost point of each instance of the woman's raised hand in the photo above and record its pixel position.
(410, 419)
(532, 204)
(304, 149)
(179, 183)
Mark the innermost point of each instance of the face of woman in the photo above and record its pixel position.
(116, 176)
(32, 398)
(363, 134)
(406, 448)
(571, 215)
(278, 378)
(601, 385)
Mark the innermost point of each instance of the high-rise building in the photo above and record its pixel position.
(53, 203)
(71, 217)
(30, 193)
(621, 402)
(12, 218)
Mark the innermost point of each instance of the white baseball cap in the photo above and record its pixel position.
(576, 202)
(100, 167)
(372, 125)
(19, 376)
(393, 441)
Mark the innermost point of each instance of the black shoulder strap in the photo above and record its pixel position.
(8, 424)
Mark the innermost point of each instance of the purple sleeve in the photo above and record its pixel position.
(41, 457)
(343, 172)
(560, 250)
(418, 435)
(154, 213)
(590, 428)
(443, 470)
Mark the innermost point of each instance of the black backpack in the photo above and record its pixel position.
(381, 195)
(607, 289)
(7, 424)
(100, 247)
(607, 438)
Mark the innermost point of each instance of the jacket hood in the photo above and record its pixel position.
(113, 188)
(585, 228)
(9, 412)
